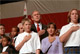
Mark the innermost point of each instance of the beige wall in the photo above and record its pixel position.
(79, 4)
(44, 6)
(0, 11)
(12, 9)
(52, 6)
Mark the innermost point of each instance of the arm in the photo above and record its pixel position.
(19, 46)
(38, 51)
(60, 47)
(64, 37)
(37, 44)
(41, 32)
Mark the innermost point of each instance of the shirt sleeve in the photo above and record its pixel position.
(62, 31)
(17, 40)
(45, 45)
(37, 42)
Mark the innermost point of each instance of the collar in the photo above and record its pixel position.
(27, 32)
(36, 24)
(78, 24)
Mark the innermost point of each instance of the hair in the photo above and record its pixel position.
(17, 29)
(69, 14)
(19, 25)
(8, 38)
(24, 20)
(1, 24)
(48, 26)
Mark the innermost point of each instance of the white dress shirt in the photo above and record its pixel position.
(4, 48)
(31, 45)
(74, 39)
(40, 25)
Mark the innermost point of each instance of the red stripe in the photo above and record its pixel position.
(10, 22)
(59, 18)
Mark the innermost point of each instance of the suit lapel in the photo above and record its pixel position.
(34, 27)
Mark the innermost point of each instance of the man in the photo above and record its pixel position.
(38, 26)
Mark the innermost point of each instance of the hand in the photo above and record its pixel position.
(74, 28)
(51, 39)
(41, 32)
(26, 38)
(4, 52)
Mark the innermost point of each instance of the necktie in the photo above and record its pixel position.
(38, 29)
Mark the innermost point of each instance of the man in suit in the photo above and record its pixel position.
(38, 26)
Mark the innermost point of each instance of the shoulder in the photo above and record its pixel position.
(65, 27)
(35, 33)
(46, 38)
(57, 38)
(44, 25)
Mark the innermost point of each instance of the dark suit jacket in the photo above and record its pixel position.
(0, 48)
(10, 50)
(33, 28)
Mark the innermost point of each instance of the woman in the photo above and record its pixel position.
(70, 33)
(51, 44)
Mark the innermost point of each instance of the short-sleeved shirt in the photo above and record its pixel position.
(31, 45)
(74, 39)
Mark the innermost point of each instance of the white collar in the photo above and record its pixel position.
(4, 48)
(74, 24)
(36, 24)
(27, 32)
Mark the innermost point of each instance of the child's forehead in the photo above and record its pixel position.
(1, 26)
(27, 22)
(4, 38)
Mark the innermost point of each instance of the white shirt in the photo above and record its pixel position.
(4, 48)
(40, 25)
(74, 39)
(31, 45)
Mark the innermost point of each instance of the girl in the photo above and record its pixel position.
(51, 44)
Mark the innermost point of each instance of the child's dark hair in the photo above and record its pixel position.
(1, 24)
(48, 26)
(17, 29)
(8, 38)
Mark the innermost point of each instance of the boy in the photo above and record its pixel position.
(6, 45)
(27, 42)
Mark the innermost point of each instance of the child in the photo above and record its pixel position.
(70, 33)
(27, 42)
(5, 44)
(2, 33)
(13, 34)
(51, 44)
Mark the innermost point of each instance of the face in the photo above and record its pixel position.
(51, 30)
(74, 16)
(36, 16)
(4, 42)
(13, 32)
(27, 26)
(21, 28)
(2, 30)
